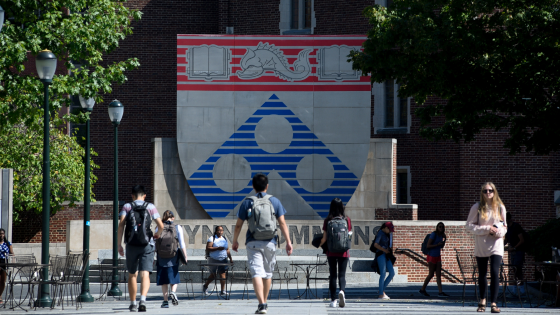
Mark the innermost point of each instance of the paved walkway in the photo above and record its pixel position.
(406, 302)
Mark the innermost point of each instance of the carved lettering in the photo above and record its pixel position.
(358, 233)
(206, 233)
(297, 237)
(191, 233)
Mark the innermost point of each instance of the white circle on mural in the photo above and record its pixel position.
(274, 133)
(315, 173)
(232, 173)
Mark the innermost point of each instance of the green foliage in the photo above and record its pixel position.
(543, 238)
(77, 32)
(484, 56)
(22, 150)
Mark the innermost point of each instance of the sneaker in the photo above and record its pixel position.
(205, 290)
(165, 304)
(223, 293)
(443, 295)
(133, 308)
(142, 306)
(262, 309)
(174, 299)
(423, 292)
(333, 304)
(341, 299)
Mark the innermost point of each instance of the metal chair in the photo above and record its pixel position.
(23, 276)
(188, 278)
(244, 275)
(106, 276)
(320, 261)
(467, 266)
(509, 277)
(283, 275)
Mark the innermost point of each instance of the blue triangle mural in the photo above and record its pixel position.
(219, 203)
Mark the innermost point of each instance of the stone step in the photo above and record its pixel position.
(398, 290)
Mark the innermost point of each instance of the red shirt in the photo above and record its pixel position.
(346, 253)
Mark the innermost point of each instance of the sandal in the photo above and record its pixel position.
(494, 309)
(481, 308)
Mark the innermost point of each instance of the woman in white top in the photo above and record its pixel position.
(218, 252)
(168, 268)
(487, 222)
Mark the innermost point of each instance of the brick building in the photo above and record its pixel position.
(442, 178)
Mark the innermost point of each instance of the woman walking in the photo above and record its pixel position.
(168, 268)
(435, 243)
(217, 246)
(5, 250)
(486, 222)
(384, 257)
(338, 262)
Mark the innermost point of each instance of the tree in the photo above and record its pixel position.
(79, 33)
(496, 62)
(22, 150)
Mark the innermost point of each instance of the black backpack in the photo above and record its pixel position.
(337, 235)
(137, 230)
(425, 249)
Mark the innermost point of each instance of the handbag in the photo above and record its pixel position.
(181, 258)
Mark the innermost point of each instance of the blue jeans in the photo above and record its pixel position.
(384, 266)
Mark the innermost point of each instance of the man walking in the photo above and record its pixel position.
(136, 217)
(517, 239)
(261, 237)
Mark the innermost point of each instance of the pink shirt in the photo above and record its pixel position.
(485, 244)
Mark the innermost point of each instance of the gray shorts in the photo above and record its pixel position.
(139, 258)
(262, 258)
(218, 269)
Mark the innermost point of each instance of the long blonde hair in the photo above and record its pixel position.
(496, 203)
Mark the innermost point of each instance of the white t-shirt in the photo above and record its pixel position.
(218, 242)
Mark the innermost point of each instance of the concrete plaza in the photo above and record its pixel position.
(405, 300)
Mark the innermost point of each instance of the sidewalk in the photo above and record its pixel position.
(406, 300)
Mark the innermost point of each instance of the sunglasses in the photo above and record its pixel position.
(488, 191)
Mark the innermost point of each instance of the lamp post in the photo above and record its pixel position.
(85, 296)
(116, 110)
(1, 17)
(46, 66)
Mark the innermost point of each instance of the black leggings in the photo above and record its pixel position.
(342, 263)
(482, 262)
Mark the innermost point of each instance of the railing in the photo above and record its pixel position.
(415, 255)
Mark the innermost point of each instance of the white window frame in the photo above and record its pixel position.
(286, 18)
(378, 91)
(406, 169)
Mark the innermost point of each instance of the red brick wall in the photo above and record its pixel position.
(411, 237)
(396, 214)
(29, 231)
(341, 17)
(249, 17)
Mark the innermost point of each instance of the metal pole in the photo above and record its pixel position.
(85, 296)
(45, 299)
(115, 291)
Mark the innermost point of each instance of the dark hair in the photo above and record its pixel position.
(259, 182)
(168, 214)
(336, 210)
(437, 231)
(216, 231)
(138, 191)
(2, 230)
(508, 216)
(384, 225)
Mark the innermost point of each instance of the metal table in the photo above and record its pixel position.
(308, 268)
(31, 278)
(208, 265)
(541, 267)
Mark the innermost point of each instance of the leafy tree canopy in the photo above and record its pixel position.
(497, 62)
(77, 32)
(22, 149)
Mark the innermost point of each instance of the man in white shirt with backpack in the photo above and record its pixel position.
(264, 214)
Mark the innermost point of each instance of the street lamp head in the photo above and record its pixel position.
(116, 110)
(87, 104)
(1, 18)
(46, 65)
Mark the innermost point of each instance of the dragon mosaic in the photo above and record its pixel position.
(266, 57)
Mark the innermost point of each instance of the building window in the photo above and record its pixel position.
(296, 17)
(391, 113)
(403, 185)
